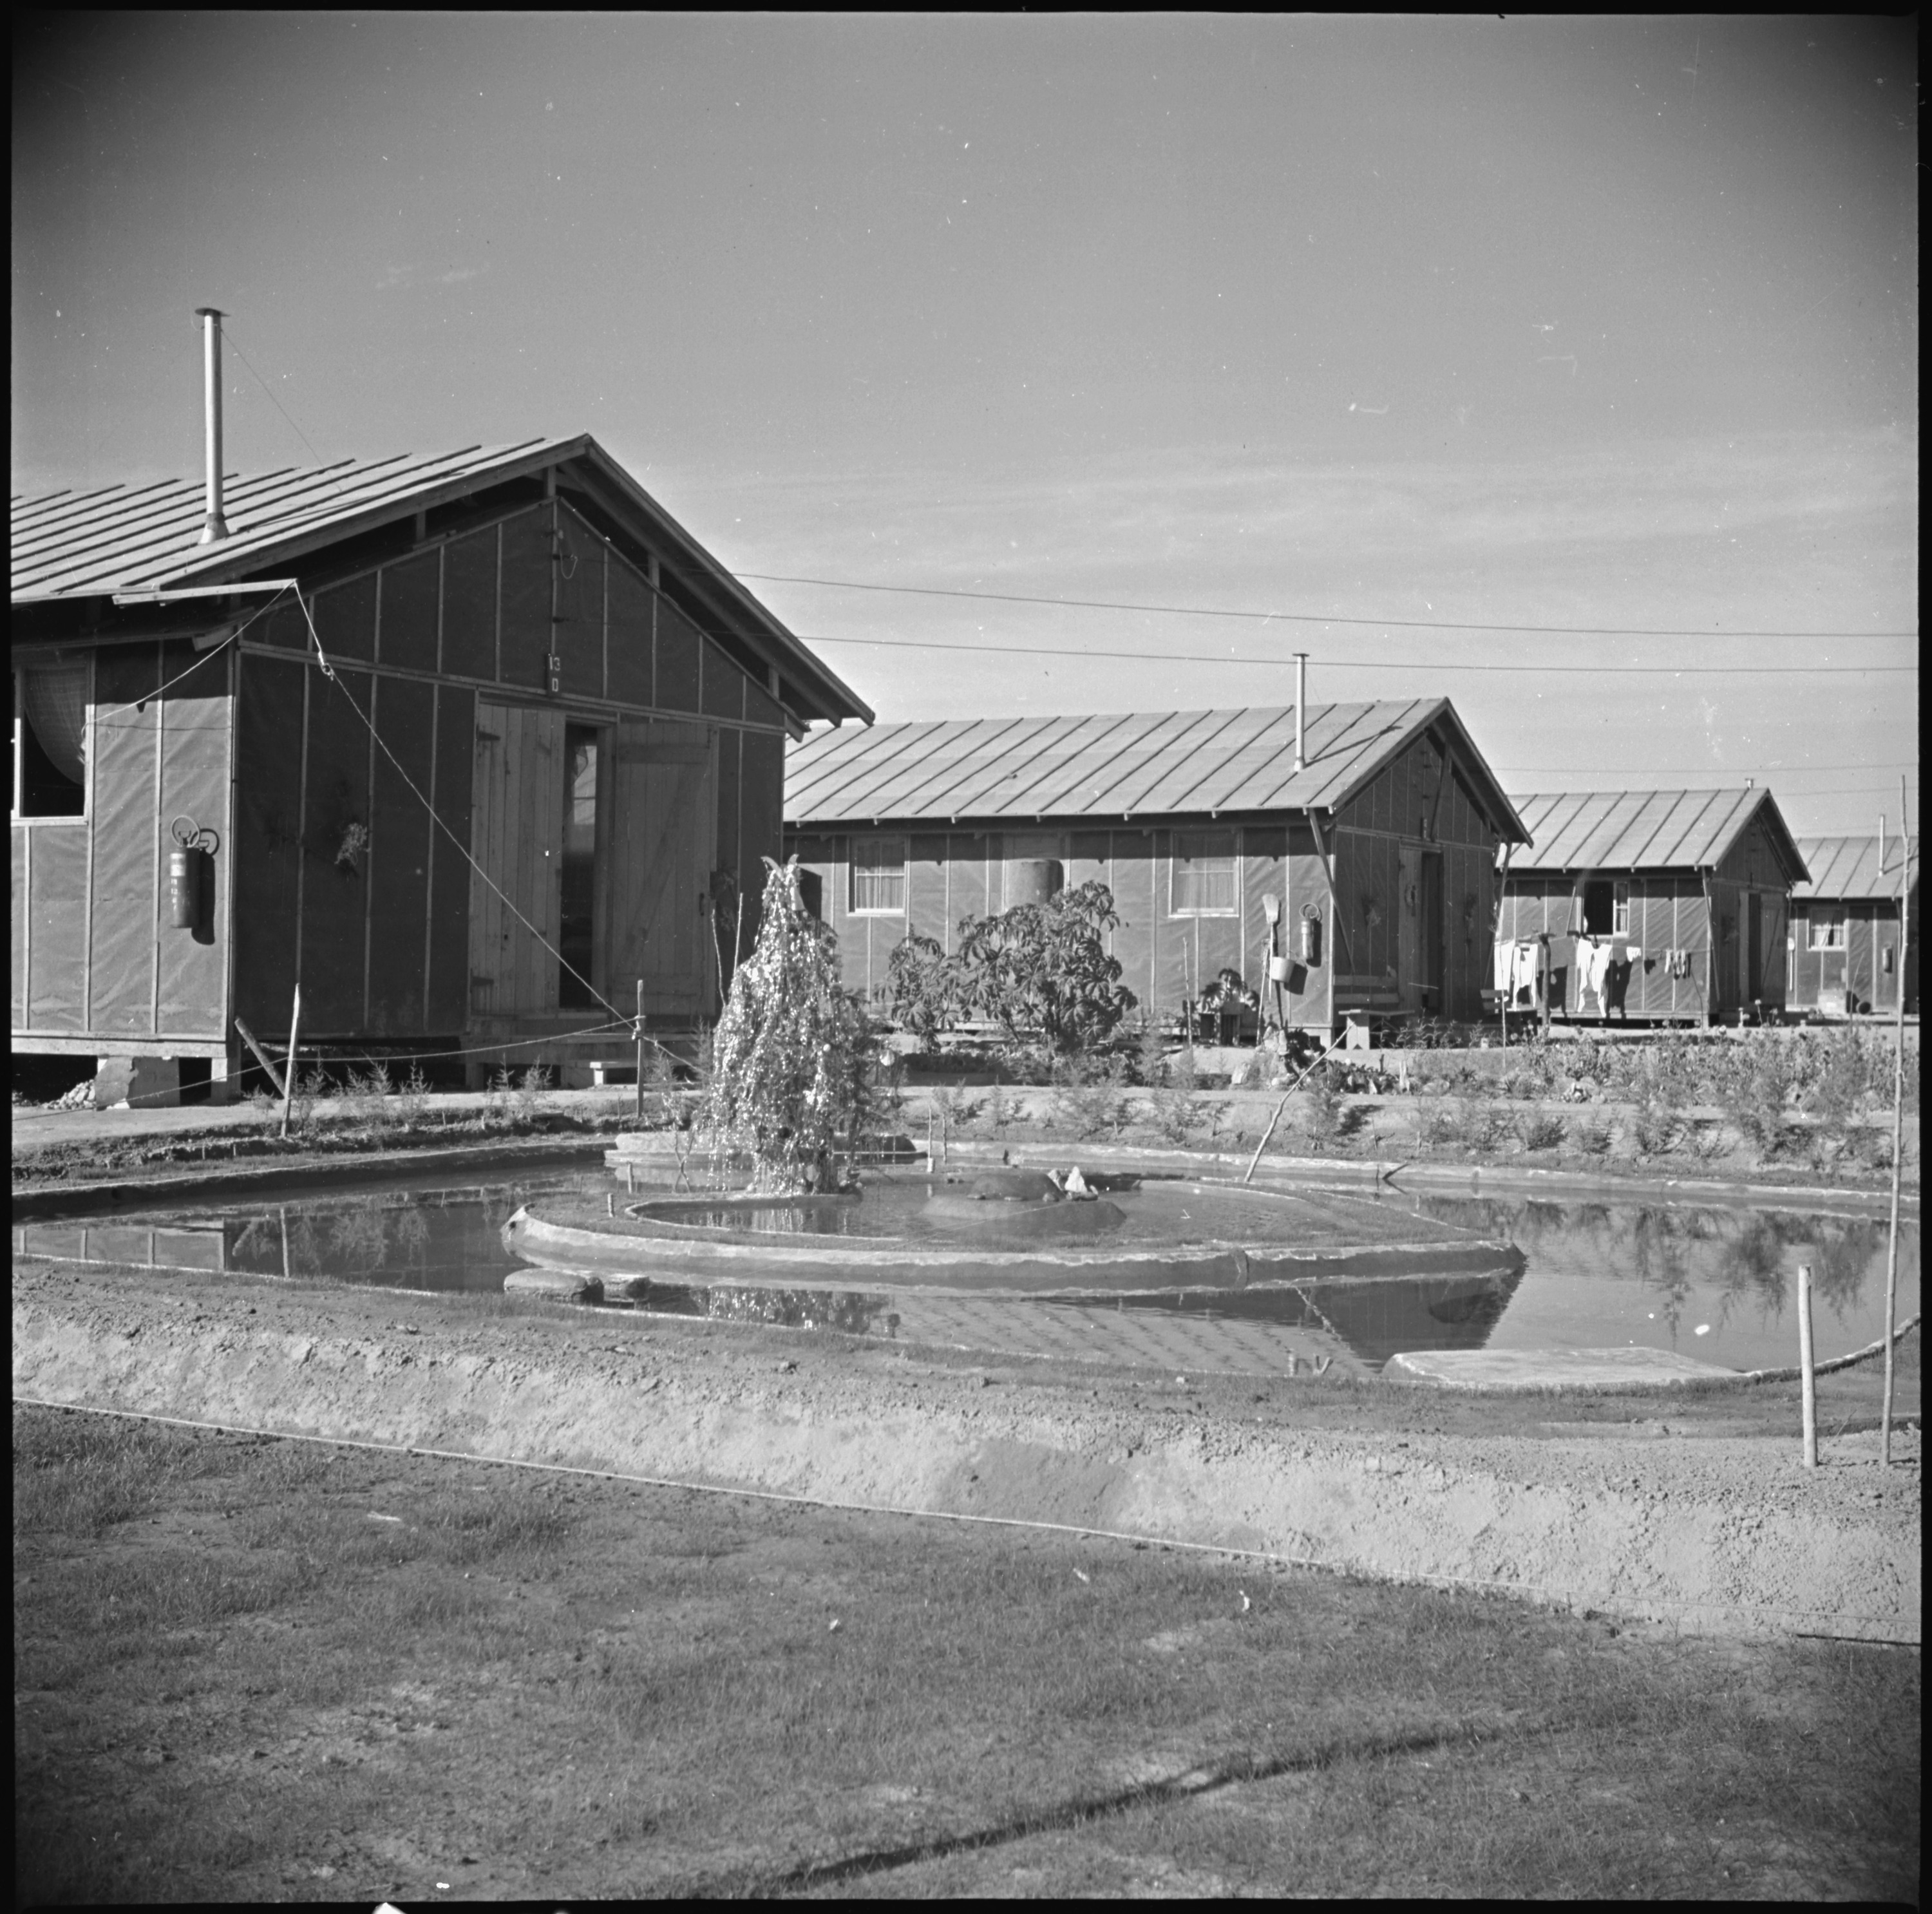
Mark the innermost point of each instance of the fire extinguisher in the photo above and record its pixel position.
(188, 874)
(1310, 936)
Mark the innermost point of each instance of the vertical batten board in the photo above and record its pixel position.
(55, 902)
(453, 795)
(232, 818)
(301, 820)
(376, 833)
(93, 825)
(194, 784)
(486, 984)
(161, 848)
(513, 802)
(22, 847)
(435, 838)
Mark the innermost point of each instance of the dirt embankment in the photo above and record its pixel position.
(1717, 1532)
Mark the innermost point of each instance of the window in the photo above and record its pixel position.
(1203, 875)
(1827, 927)
(1599, 907)
(878, 875)
(1620, 909)
(49, 740)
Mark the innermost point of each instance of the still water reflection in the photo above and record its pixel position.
(1716, 1283)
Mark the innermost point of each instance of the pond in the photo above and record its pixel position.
(1718, 1283)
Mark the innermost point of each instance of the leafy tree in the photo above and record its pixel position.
(1044, 968)
(790, 1055)
(924, 989)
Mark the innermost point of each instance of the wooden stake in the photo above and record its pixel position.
(1334, 1046)
(1897, 1134)
(640, 1051)
(261, 1056)
(1808, 1379)
(289, 1081)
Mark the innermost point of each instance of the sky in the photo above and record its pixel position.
(1339, 334)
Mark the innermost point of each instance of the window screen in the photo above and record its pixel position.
(50, 739)
(878, 874)
(1827, 930)
(1204, 873)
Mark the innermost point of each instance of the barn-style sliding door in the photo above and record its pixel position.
(516, 837)
(663, 838)
(654, 798)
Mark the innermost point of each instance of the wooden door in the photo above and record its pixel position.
(517, 838)
(1408, 940)
(662, 838)
(1429, 918)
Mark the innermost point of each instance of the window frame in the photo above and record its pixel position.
(1830, 918)
(875, 872)
(15, 815)
(1620, 907)
(1199, 861)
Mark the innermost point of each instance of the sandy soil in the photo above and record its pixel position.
(1694, 1514)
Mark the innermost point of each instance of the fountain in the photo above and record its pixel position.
(787, 1098)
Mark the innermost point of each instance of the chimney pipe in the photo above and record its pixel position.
(1300, 708)
(214, 526)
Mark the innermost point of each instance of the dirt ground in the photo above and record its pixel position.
(1683, 1506)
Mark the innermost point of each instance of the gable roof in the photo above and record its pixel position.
(1126, 764)
(131, 539)
(1623, 830)
(1848, 867)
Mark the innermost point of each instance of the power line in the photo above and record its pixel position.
(1299, 617)
(1411, 666)
(1708, 771)
(273, 400)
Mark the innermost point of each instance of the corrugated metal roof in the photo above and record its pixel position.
(1626, 830)
(1848, 867)
(144, 538)
(134, 538)
(1129, 764)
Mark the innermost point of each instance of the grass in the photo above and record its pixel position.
(254, 1669)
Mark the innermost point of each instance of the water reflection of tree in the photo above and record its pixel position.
(257, 1246)
(1748, 1257)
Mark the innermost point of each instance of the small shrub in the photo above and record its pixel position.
(1541, 1130)
(369, 1090)
(1044, 968)
(530, 1086)
(501, 1083)
(925, 991)
(1322, 1109)
(1149, 1066)
(1435, 1124)
(1592, 1136)
(1088, 1101)
(1175, 1114)
(412, 1099)
(955, 1108)
(1708, 1142)
(1655, 1130)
